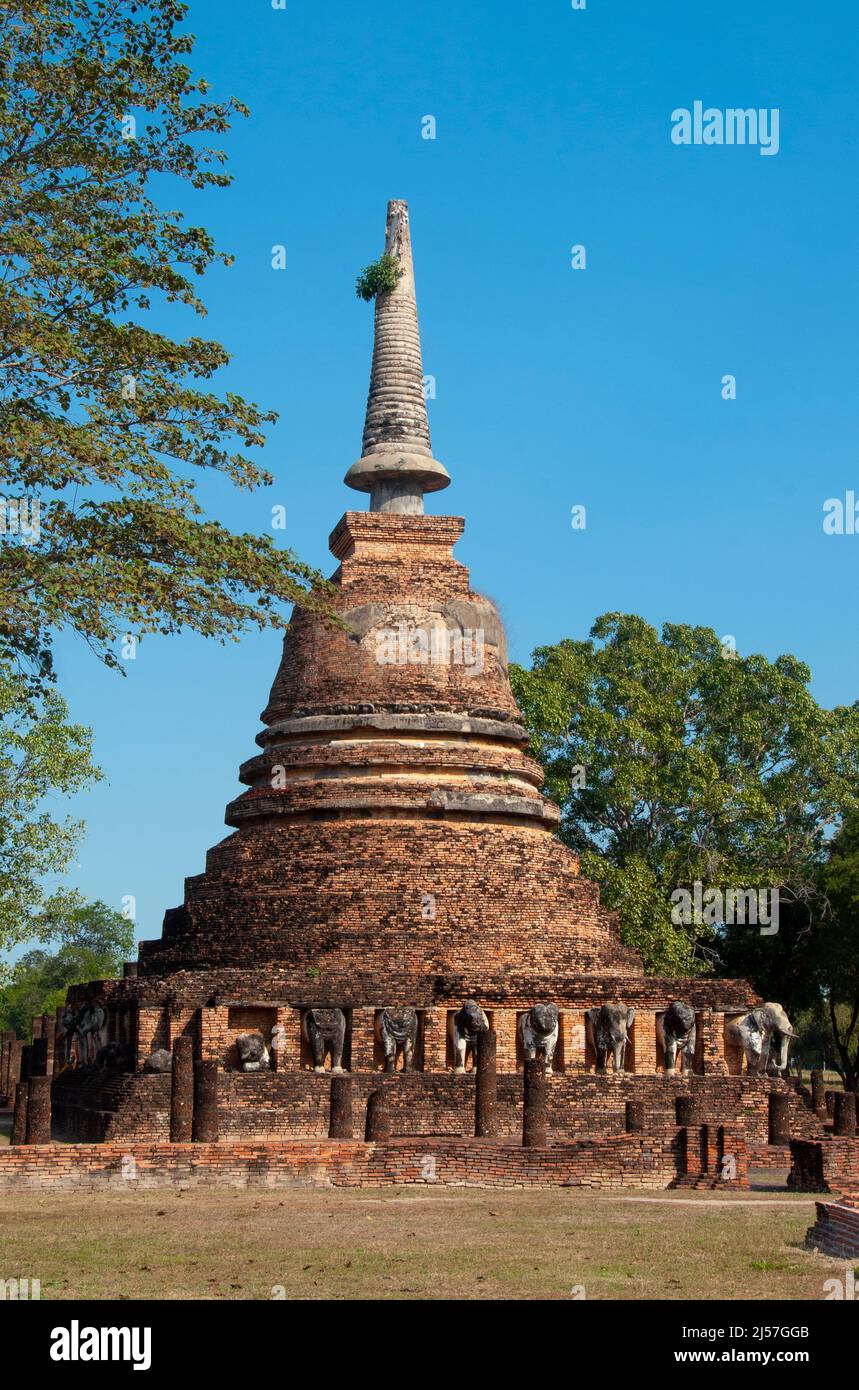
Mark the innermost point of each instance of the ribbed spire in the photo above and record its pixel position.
(397, 466)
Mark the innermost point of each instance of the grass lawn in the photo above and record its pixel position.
(402, 1244)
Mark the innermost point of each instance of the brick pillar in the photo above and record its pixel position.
(19, 1119)
(572, 1040)
(635, 1118)
(691, 1143)
(6, 1061)
(204, 1129)
(435, 1040)
(182, 1091)
(486, 1090)
(829, 1102)
(644, 1037)
(845, 1113)
(39, 1110)
(15, 1052)
(818, 1093)
(289, 1056)
(26, 1055)
(39, 1057)
(36, 1027)
(504, 1027)
(535, 1124)
(779, 1117)
(378, 1123)
(684, 1110)
(340, 1117)
(711, 1042)
(49, 1033)
(363, 1038)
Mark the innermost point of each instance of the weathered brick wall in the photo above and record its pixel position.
(836, 1230)
(267, 1105)
(830, 1164)
(624, 1160)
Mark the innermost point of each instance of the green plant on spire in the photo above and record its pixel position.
(379, 278)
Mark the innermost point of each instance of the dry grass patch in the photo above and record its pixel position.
(398, 1244)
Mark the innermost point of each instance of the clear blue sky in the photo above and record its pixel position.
(555, 387)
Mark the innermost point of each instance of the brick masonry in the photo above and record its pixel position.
(830, 1164)
(623, 1160)
(836, 1230)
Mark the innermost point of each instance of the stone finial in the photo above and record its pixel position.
(397, 466)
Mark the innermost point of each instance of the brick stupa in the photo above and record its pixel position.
(393, 846)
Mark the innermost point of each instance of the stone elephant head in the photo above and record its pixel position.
(538, 1029)
(610, 1025)
(252, 1052)
(465, 1027)
(765, 1034)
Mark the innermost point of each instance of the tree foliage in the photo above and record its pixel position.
(105, 420)
(95, 942)
(379, 278)
(675, 762)
(42, 755)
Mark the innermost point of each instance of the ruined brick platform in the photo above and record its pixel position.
(622, 1160)
(836, 1230)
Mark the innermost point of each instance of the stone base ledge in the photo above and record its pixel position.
(625, 1160)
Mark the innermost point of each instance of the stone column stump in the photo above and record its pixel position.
(486, 1091)
(204, 1129)
(182, 1091)
(39, 1110)
(535, 1124)
(340, 1119)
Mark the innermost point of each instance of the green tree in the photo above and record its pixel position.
(835, 951)
(95, 942)
(674, 761)
(106, 422)
(41, 755)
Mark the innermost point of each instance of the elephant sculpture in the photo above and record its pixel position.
(325, 1030)
(397, 1031)
(610, 1025)
(465, 1026)
(538, 1029)
(765, 1034)
(66, 1034)
(84, 1033)
(679, 1034)
(252, 1052)
(160, 1060)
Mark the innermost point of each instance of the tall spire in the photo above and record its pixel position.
(397, 466)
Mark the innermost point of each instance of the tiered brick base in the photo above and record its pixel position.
(89, 1107)
(621, 1160)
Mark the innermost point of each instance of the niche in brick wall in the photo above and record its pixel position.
(734, 1054)
(306, 1060)
(450, 1057)
(243, 1018)
(379, 1051)
(558, 1061)
(698, 1059)
(591, 1052)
